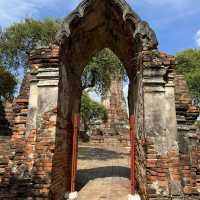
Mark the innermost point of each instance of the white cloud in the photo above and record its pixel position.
(12, 10)
(197, 37)
(15, 10)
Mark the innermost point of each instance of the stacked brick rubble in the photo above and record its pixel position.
(6, 118)
(19, 126)
(16, 145)
(6, 122)
(189, 140)
(17, 140)
(4, 152)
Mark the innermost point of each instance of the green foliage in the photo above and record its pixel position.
(188, 60)
(7, 84)
(91, 111)
(189, 65)
(18, 40)
(101, 69)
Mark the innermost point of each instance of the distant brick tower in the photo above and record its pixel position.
(115, 103)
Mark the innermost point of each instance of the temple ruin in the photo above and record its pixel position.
(36, 155)
(115, 103)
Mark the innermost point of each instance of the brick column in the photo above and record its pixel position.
(173, 148)
(42, 118)
(163, 175)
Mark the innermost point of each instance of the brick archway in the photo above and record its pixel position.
(95, 25)
(55, 92)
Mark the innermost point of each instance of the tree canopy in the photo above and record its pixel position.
(188, 64)
(18, 40)
(101, 69)
(91, 111)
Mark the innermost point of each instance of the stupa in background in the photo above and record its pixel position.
(115, 103)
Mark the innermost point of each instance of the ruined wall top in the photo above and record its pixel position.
(187, 112)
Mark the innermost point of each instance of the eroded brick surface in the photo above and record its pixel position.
(189, 139)
(36, 163)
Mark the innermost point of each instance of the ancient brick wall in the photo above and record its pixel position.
(189, 140)
(161, 152)
(20, 110)
(44, 68)
(6, 125)
(17, 168)
(26, 174)
(12, 147)
(39, 158)
(6, 118)
(114, 102)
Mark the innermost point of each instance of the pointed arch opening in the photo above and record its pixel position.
(93, 26)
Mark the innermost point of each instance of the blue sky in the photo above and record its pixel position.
(176, 22)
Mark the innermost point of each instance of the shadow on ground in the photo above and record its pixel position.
(86, 175)
(91, 153)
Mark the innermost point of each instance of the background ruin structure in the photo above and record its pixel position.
(37, 163)
(115, 103)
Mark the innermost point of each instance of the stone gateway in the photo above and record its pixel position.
(37, 164)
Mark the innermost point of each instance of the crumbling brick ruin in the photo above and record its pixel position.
(36, 163)
(114, 102)
(6, 126)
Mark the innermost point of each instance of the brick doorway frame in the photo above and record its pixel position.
(56, 92)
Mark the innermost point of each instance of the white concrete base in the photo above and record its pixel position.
(134, 197)
(71, 195)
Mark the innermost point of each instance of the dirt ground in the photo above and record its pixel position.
(103, 171)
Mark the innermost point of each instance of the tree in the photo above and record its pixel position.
(7, 84)
(188, 64)
(18, 40)
(91, 111)
(101, 69)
